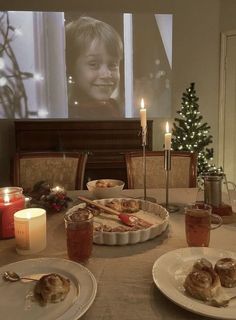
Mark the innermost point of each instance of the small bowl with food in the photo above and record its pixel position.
(105, 188)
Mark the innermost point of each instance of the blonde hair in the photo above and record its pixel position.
(82, 32)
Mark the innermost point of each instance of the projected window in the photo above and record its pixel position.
(87, 66)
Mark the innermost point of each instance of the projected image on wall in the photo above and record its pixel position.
(86, 66)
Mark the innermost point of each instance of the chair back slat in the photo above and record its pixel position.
(183, 173)
(57, 168)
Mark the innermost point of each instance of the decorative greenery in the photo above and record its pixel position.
(51, 199)
(191, 134)
(13, 98)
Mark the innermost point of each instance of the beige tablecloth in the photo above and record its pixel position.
(124, 273)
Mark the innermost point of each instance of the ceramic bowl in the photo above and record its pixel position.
(105, 188)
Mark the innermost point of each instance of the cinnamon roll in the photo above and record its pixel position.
(52, 288)
(202, 264)
(202, 282)
(226, 269)
(202, 285)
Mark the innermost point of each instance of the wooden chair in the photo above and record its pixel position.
(65, 169)
(183, 173)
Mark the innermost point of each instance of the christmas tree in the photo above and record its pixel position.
(190, 134)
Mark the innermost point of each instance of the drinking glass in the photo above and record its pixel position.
(79, 234)
(198, 224)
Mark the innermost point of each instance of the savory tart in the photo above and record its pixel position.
(124, 205)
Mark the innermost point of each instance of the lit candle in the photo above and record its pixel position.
(11, 200)
(143, 115)
(30, 230)
(58, 189)
(167, 138)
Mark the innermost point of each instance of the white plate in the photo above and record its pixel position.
(170, 270)
(15, 305)
(151, 212)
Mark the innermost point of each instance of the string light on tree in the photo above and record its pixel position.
(189, 133)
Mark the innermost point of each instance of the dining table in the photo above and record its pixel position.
(125, 285)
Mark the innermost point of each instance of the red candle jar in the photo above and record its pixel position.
(11, 200)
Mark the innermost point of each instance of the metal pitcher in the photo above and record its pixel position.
(213, 190)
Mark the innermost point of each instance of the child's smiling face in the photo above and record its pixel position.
(97, 72)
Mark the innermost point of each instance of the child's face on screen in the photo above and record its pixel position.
(97, 72)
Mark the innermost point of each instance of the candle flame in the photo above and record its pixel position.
(6, 198)
(167, 127)
(6, 190)
(142, 104)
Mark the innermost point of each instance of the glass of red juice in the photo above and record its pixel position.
(198, 224)
(79, 234)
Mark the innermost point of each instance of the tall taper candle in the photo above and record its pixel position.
(143, 115)
(167, 137)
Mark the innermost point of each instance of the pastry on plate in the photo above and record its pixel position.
(226, 269)
(124, 205)
(202, 264)
(52, 288)
(202, 282)
(104, 184)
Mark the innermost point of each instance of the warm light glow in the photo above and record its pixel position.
(28, 215)
(142, 104)
(167, 127)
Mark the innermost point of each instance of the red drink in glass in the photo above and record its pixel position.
(79, 234)
(197, 227)
(198, 224)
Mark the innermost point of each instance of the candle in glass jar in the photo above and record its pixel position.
(167, 138)
(143, 115)
(30, 230)
(11, 200)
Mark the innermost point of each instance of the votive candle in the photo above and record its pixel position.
(11, 200)
(30, 230)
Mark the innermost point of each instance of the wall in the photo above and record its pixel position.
(196, 56)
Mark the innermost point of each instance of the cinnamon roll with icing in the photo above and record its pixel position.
(202, 282)
(202, 264)
(226, 269)
(51, 288)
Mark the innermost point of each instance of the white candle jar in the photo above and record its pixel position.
(30, 230)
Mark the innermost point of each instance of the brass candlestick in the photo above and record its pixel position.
(167, 166)
(144, 141)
